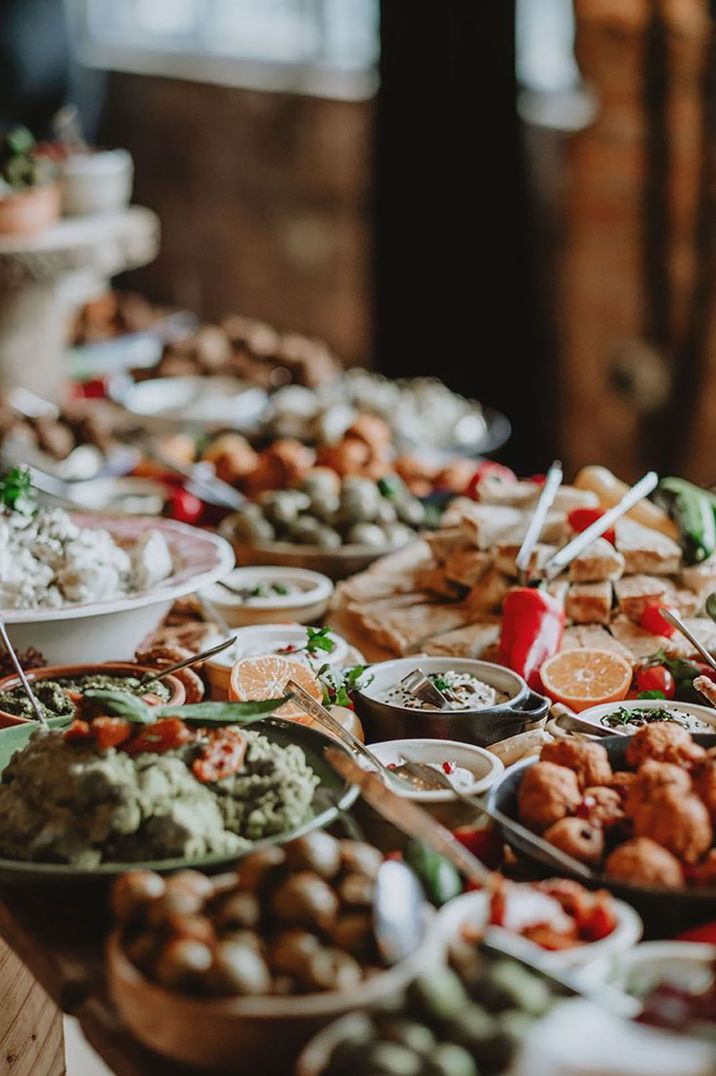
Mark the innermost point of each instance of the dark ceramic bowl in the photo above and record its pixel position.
(485, 726)
(665, 911)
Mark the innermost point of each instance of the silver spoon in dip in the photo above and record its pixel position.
(42, 720)
(420, 685)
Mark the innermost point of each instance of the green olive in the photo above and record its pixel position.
(304, 530)
(366, 534)
(328, 538)
(397, 534)
(386, 512)
(253, 529)
(410, 511)
(324, 505)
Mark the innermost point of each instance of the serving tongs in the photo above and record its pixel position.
(41, 719)
(553, 481)
(564, 556)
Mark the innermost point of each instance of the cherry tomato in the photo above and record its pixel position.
(656, 678)
(222, 755)
(78, 732)
(185, 507)
(652, 620)
(163, 735)
(581, 518)
(110, 731)
(488, 468)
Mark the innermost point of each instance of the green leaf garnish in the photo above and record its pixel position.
(319, 639)
(122, 704)
(16, 491)
(222, 713)
(652, 694)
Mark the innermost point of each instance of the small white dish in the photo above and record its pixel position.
(208, 403)
(308, 600)
(485, 767)
(473, 909)
(96, 182)
(650, 964)
(258, 639)
(702, 713)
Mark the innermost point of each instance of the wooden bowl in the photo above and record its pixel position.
(335, 563)
(53, 672)
(26, 212)
(251, 1034)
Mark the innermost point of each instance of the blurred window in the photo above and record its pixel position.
(323, 47)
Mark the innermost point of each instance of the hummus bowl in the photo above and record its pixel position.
(331, 796)
(515, 706)
(89, 631)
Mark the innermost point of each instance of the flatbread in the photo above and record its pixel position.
(646, 550)
(472, 641)
(404, 630)
(593, 637)
(589, 603)
(599, 561)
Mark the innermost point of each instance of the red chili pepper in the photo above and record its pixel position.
(485, 469)
(110, 731)
(652, 620)
(532, 629)
(581, 518)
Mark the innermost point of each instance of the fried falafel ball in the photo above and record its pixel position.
(650, 779)
(621, 781)
(705, 787)
(703, 875)
(601, 805)
(589, 761)
(642, 861)
(578, 838)
(677, 820)
(547, 793)
(664, 741)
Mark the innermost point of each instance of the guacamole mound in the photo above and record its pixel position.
(68, 803)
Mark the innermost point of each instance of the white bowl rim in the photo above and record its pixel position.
(658, 952)
(321, 590)
(627, 932)
(705, 713)
(221, 552)
(226, 658)
(495, 771)
(437, 664)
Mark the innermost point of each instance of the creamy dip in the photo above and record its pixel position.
(626, 719)
(47, 561)
(463, 691)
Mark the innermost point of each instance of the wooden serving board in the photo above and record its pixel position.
(31, 1037)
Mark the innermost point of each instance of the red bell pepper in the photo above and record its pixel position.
(581, 518)
(532, 630)
(485, 469)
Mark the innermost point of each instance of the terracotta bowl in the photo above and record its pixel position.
(53, 672)
(246, 1035)
(25, 212)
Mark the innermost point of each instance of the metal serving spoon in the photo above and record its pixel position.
(186, 663)
(678, 623)
(42, 720)
(397, 911)
(420, 685)
(438, 779)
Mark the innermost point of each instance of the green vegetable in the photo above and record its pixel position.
(16, 493)
(338, 684)
(693, 510)
(21, 166)
(439, 878)
(137, 711)
(653, 694)
(319, 639)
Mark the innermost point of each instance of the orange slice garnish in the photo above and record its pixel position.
(266, 677)
(584, 678)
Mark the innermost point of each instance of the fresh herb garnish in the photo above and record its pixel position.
(16, 491)
(654, 693)
(134, 709)
(316, 639)
(625, 716)
(339, 684)
(267, 590)
(440, 682)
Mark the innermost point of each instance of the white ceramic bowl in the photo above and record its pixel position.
(485, 767)
(308, 604)
(704, 713)
(473, 909)
(640, 969)
(96, 183)
(266, 639)
(100, 631)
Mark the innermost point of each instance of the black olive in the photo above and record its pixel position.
(304, 900)
(133, 892)
(238, 969)
(238, 909)
(182, 962)
(290, 951)
(330, 969)
(256, 869)
(361, 858)
(356, 889)
(317, 851)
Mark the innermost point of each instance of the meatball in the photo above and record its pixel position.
(578, 838)
(678, 821)
(651, 778)
(642, 861)
(547, 793)
(664, 741)
(589, 761)
(705, 787)
(601, 805)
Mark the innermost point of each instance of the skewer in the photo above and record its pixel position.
(42, 720)
(678, 623)
(580, 542)
(552, 483)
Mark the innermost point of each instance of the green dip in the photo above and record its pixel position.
(51, 694)
(69, 803)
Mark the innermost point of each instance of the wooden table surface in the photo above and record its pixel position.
(59, 936)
